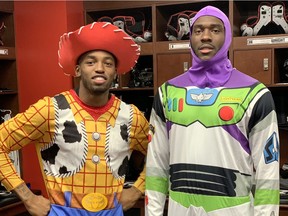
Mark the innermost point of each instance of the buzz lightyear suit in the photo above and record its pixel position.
(83, 151)
(214, 134)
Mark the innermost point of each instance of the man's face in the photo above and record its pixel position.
(208, 36)
(97, 70)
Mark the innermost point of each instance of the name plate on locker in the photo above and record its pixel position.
(268, 40)
(177, 46)
(3, 51)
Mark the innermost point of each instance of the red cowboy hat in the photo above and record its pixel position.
(97, 36)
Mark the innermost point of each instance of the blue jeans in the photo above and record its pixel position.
(58, 210)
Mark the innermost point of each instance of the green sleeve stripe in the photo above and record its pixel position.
(209, 203)
(266, 197)
(157, 184)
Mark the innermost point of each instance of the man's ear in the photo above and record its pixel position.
(77, 71)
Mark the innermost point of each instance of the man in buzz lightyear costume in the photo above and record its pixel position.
(214, 135)
(84, 137)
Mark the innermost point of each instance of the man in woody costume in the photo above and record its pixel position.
(84, 137)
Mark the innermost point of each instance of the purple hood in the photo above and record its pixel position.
(216, 71)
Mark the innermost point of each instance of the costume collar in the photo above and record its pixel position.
(107, 113)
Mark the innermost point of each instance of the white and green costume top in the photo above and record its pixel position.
(215, 145)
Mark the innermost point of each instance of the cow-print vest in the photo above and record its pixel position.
(67, 153)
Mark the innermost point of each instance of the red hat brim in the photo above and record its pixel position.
(98, 36)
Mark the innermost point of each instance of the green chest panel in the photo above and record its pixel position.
(210, 107)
